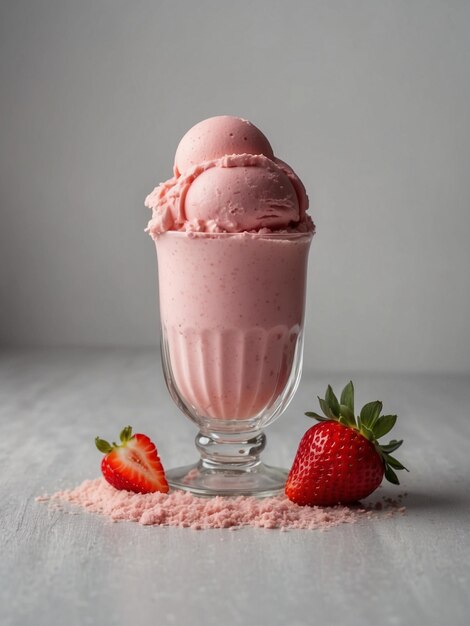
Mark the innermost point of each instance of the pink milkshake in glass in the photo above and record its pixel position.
(232, 238)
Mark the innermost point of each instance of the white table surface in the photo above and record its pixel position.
(57, 568)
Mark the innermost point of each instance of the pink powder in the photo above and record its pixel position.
(179, 508)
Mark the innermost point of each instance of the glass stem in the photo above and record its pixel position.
(239, 451)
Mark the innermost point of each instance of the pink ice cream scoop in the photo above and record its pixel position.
(243, 198)
(217, 136)
(227, 179)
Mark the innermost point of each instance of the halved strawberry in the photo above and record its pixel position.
(133, 465)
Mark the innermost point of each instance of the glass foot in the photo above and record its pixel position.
(257, 480)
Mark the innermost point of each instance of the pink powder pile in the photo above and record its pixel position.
(183, 509)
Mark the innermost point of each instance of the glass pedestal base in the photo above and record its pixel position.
(206, 479)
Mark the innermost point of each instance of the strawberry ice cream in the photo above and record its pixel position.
(217, 136)
(232, 310)
(218, 188)
(232, 236)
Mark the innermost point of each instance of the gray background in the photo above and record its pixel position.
(368, 101)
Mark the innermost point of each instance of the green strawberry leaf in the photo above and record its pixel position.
(383, 425)
(347, 414)
(326, 409)
(332, 401)
(347, 396)
(390, 460)
(103, 446)
(391, 446)
(391, 476)
(126, 434)
(370, 413)
(320, 418)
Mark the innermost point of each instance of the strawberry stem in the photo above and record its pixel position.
(126, 434)
(105, 447)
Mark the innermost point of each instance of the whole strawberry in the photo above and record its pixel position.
(133, 464)
(340, 460)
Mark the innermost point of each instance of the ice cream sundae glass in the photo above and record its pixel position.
(232, 237)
